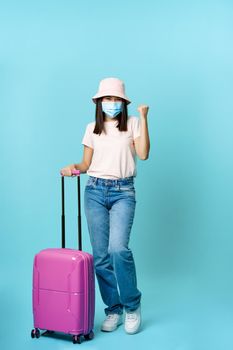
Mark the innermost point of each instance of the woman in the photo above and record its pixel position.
(111, 145)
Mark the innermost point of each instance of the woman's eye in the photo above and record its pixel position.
(110, 99)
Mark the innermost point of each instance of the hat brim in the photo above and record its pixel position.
(109, 93)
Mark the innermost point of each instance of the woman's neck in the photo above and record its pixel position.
(107, 119)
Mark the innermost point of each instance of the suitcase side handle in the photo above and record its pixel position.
(75, 173)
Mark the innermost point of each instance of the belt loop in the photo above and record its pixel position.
(117, 185)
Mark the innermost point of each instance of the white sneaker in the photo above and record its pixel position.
(111, 322)
(133, 321)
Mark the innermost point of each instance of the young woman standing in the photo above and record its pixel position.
(111, 145)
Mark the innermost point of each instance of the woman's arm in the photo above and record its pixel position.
(142, 143)
(87, 158)
(83, 166)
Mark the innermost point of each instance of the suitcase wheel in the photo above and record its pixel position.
(35, 333)
(77, 339)
(89, 336)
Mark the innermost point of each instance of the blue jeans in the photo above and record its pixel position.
(109, 208)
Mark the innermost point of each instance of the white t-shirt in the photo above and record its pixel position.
(114, 155)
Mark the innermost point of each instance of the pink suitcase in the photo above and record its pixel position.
(64, 287)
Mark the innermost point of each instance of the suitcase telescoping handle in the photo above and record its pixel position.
(63, 235)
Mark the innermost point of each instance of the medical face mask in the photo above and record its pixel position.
(112, 109)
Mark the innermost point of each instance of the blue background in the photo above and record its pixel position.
(175, 56)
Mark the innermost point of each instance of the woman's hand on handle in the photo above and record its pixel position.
(67, 171)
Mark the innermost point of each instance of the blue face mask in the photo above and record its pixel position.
(112, 109)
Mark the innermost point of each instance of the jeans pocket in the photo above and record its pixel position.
(128, 191)
(90, 183)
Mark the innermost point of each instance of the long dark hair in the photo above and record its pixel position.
(100, 117)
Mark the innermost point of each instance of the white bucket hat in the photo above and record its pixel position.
(111, 87)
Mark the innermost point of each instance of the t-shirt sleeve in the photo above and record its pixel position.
(136, 127)
(88, 138)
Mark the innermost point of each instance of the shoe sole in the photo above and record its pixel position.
(112, 329)
(134, 332)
